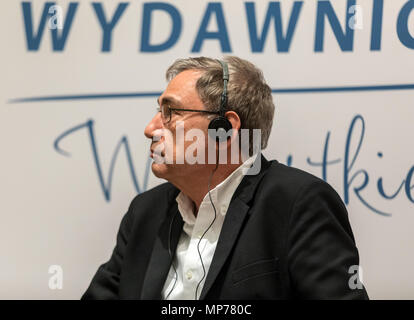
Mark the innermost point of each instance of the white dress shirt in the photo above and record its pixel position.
(187, 259)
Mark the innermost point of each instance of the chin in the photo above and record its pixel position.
(159, 169)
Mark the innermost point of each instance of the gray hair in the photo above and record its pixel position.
(248, 94)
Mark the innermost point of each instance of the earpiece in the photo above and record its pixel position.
(221, 124)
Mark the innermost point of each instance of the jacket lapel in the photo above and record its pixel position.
(164, 248)
(235, 216)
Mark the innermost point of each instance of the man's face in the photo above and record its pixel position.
(180, 93)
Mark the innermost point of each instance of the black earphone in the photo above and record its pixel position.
(221, 123)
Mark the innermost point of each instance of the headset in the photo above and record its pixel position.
(216, 128)
(220, 123)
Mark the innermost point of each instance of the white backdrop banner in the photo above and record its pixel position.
(79, 82)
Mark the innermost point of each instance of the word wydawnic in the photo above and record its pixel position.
(259, 24)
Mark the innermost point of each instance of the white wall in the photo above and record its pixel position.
(53, 207)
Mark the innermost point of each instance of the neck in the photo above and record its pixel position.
(196, 187)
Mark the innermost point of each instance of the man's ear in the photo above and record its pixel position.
(234, 119)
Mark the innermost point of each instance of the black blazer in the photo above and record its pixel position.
(286, 235)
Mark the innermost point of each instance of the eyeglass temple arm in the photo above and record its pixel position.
(191, 110)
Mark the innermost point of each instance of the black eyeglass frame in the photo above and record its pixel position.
(159, 109)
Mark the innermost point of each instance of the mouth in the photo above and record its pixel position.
(156, 154)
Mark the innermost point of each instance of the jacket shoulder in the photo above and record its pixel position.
(287, 184)
(157, 192)
(150, 204)
(291, 178)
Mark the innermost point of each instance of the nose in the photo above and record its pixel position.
(154, 124)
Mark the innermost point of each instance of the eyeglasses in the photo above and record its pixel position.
(166, 112)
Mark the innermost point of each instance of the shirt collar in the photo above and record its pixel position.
(220, 195)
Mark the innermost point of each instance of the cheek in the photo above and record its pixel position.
(193, 136)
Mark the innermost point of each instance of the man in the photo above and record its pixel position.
(213, 231)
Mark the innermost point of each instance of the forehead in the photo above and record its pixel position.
(182, 88)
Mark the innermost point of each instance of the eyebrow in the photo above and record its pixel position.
(170, 100)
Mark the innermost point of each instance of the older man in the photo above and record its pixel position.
(212, 231)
